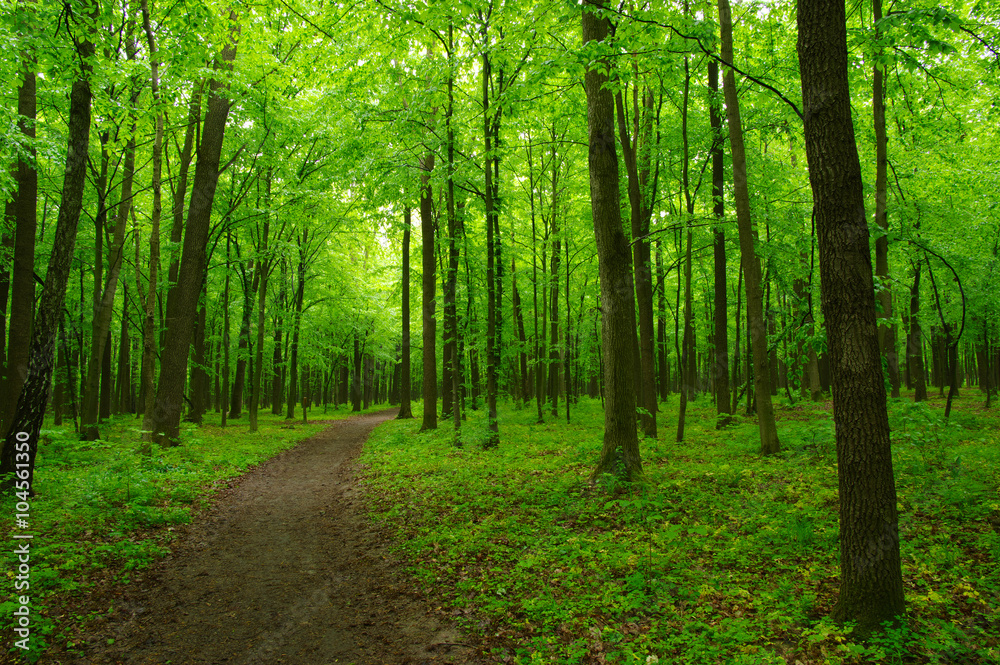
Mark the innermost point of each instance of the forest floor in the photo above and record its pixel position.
(283, 567)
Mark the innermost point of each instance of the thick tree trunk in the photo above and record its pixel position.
(163, 419)
(871, 586)
(405, 382)
(640, 207)
(769, 443)
(21, 441)
(23, 208)
(620, 452)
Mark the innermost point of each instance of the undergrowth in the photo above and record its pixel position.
(718, 556)
(103, 510)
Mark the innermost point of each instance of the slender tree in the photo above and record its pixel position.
(769, 443)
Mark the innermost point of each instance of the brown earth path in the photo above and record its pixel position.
(283, 568)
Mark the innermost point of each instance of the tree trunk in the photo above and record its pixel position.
(720, 374)
(163, 420)
(914, 344)
(262, 270)
(492, 352)
(640, 207)
(886, 329)
(620, 452)
(22, 434)
(277, 377)
(293, 356)
(23, 208)
(405, 410)
(239, 381)
(105, 304)
(429, 288)
(356, 376)
(871, 588)
(769, 443)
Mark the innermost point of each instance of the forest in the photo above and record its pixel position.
(630, 333)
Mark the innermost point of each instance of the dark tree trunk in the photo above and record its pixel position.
(106, 382)
(183, 169)
(769, 443)
(23, 209)
(277, 365)
(620, 452)
(356, 376)
(663, 378)
(871, 586)
(21, 440)
(163, 420)
(914, 343)
(492, 242)
(720, 372)
(239, 381)
(262, 270)
(429, 288)
(640, 207)
(886, 329)
(199, 371)
(293, 355)
(94, 402)
(405, 410)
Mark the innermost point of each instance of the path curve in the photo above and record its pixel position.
(282, 569)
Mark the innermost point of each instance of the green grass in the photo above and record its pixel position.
(719, 556)
(104, 509)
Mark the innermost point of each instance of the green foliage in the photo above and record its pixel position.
(717, 556)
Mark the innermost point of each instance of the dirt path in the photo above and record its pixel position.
(282, 569)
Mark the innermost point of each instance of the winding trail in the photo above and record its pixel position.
(283, 568)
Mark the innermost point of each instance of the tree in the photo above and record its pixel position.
(871, 586)
(30, 409)
(620, 452)
(769, 443)
(405, 410)
(163, 419)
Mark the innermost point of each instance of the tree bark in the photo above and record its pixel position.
(620, 451)
(871, 589)
(769, 443)
(23, 207)
(163, 419)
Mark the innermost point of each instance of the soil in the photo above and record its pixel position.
(282, 568)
